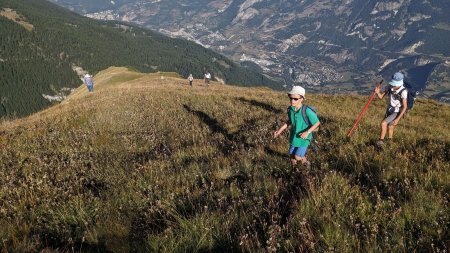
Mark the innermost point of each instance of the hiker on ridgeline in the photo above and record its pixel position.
(190, 79)
(89, 82)
(301, 132)
(207, 78)
(397, 105)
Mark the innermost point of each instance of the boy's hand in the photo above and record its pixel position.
(275, 134)
(304, 135)
(377, 89)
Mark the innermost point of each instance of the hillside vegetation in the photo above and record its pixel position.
(147, 163)
(42, 44)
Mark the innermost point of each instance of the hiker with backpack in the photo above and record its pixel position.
(190, 79)
(89, 82)
(397, 105)
(207, 78)
(303, 121)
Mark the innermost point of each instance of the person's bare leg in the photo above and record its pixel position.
(383, 129)
(391, 132)
(305, 162)
(293, 161)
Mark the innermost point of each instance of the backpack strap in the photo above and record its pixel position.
(288, 110)
(305, 117)
(397, 95)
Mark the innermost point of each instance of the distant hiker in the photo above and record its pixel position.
(397, 105)
(89, 82)
(190, 79)
(301, 132)
(207, 77)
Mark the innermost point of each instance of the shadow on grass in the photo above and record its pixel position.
(78, 246)
(295, 184)
(262, 105)
(272, 152)
(232, 141)
(212, 123)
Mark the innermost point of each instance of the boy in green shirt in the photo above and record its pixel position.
(301, 132)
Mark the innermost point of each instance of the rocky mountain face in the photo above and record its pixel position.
(338, 45)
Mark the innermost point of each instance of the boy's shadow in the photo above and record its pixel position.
(262, 105)
(232, 141)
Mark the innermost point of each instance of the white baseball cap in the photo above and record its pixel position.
(297, 90)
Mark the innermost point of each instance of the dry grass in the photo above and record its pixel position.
(146, 163)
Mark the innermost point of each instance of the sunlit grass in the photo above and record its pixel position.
(146, 163)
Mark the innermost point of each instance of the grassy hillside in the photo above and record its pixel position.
(41, 44)
(147, 163)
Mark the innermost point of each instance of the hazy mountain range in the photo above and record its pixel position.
(341, 43)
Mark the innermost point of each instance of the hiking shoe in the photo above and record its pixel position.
(380, 143)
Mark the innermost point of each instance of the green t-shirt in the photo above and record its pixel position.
(298, 126)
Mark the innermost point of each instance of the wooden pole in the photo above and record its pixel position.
(350, 132)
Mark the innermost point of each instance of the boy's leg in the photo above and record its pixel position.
(391, 131)
(391, 127)
(292, 157)
(294, 160)
(387, 122)
(383, 129)
(299, 154)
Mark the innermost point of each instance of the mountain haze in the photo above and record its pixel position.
(147, 164)
(336, 45)
(44, 49)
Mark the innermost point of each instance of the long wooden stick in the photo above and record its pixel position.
(350, 132)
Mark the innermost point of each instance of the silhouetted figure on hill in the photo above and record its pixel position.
(397, 105)
(190, 79)
(89, 82)
(207, 78)
(301, 131)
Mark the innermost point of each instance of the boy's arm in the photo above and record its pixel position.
(380, 95)
(404, 107)
(281, 129)
(305, 134)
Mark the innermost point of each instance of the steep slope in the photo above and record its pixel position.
(43, 49)
(148, 164)
(317, 42)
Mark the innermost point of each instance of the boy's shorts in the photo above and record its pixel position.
(390, 119)
(390, 115)
(298, 151)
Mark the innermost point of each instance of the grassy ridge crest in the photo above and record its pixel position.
(147, 163)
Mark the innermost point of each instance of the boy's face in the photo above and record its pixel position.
(295, 99)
